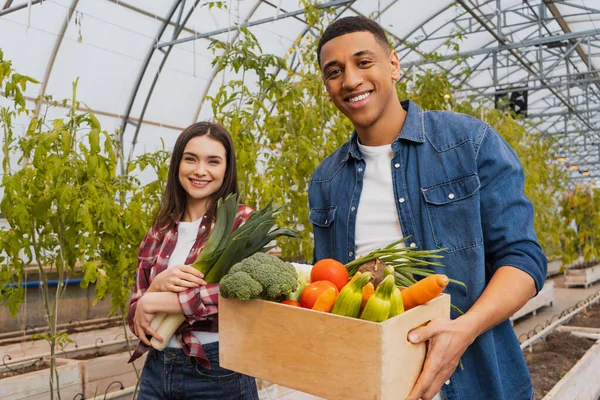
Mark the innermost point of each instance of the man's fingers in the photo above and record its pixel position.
(424, 333)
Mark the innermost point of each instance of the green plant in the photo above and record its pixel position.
(580, 211)
(68, 211)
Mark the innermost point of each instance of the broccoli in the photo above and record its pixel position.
(260, 275)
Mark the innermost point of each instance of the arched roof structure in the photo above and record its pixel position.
(144, 67)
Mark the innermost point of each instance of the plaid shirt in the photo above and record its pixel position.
(199, 304)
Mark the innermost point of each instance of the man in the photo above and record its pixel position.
(446, 180)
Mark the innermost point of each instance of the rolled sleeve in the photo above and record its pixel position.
(506, 213)
(199, 302)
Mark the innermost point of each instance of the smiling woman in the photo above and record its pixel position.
(202, 171)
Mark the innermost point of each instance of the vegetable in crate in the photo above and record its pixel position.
(260, 275)
(404, 260)
(378, 307)
(326, 300)
(303, 271)
(330, 270)
(424, 290)
(350, 299)
(223, 249)
(311, 293)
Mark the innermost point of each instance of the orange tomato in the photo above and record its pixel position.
(292, 303)
(311, 293)
(330, 270)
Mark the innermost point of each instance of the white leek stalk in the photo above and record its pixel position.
(166, 328)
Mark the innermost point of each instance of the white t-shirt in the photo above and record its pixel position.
(377, 222)
(186, 237)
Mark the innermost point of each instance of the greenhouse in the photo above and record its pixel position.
(300, 199)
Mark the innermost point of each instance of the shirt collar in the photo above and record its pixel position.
(413, 129)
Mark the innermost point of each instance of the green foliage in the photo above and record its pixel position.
(580, 211)
(282, 129)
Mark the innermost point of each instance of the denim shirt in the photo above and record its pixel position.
(459, 187)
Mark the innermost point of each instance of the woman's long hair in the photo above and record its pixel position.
(173, 202)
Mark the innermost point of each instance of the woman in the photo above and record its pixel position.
(202, 171)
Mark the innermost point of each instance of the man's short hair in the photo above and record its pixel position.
(347, 25)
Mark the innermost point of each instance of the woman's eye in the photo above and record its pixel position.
(191, 159)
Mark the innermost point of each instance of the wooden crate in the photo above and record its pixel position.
(324, 354)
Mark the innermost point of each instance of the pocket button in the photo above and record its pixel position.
(451, 196)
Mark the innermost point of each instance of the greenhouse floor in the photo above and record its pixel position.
(563, 298)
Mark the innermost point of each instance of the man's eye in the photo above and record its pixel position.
(364, 63)
(334, 72)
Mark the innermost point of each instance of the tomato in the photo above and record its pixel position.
(311, 293)
(292, 303)
(330, 270)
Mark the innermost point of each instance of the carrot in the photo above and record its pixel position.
(424, 290)
(367, 292)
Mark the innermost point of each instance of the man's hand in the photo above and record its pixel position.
(447, 341)
(177, 279)
(142, 320)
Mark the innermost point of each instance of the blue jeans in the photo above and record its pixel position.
(170, 374)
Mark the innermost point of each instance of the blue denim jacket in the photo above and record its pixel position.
(458, 186)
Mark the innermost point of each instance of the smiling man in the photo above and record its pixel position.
(448, 181)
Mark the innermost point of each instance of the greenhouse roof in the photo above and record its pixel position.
(146, 66)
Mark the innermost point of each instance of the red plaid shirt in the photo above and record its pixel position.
(199, 304)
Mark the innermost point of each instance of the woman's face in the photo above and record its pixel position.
(202, 168)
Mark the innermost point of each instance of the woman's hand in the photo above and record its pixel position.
(177, 279)
(142, 320)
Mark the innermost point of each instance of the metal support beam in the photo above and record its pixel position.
(330, 4)
(141, 74)
(52, 59)
(7, 10)
(565, 112)
(509, 46)
(550, 4)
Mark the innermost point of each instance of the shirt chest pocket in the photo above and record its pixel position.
(453, 212)
(323, 220)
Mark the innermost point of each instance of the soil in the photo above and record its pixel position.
(589, 318)
(553, 358)
(19, 371)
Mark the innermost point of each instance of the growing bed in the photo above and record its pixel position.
(565, 366)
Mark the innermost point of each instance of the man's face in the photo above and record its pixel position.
(359, 76)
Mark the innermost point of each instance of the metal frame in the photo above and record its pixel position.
(531, 43)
